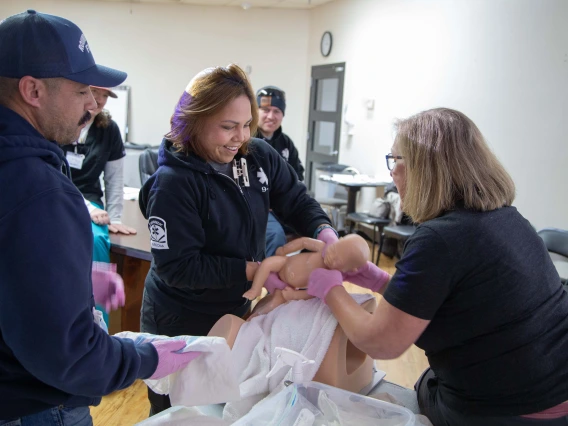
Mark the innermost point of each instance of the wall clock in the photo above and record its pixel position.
(326, 43)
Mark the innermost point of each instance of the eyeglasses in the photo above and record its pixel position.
(391, 160)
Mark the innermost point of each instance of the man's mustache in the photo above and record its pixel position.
(85, 118)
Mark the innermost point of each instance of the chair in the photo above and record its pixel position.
(556, 241)
(147, 164)
(398, 232)
(376, 222)
(334, 206)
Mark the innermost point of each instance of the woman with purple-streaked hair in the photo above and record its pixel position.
(207, 207)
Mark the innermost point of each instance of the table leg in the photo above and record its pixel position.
(351, 204)
(133, 272)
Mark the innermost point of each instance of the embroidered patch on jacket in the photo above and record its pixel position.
(263, 179)
(286, 154)
(158, 233)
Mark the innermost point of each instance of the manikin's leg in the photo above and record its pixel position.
(298, 244)
(271, 264)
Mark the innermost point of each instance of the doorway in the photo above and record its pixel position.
(324, 120)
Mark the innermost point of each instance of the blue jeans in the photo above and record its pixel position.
(275, 235)
(56, 416)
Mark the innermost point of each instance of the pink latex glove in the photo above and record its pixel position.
(328, 236)
(169, 359)
(273, 283)
(322, 280)
(108, 287)
(368, 276)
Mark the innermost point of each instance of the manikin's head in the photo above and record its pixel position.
(347, 254)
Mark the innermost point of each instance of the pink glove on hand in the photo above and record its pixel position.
(322, 280)
(169, 359)
(328, 236)
(368, 276)
(273, 283)
(108, 287)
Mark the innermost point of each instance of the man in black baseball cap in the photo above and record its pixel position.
(271, 109)
(55, 357)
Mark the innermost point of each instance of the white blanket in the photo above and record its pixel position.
(208, 379)
(304, 326)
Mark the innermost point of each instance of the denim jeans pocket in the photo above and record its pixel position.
(16, 422)
(75, 416)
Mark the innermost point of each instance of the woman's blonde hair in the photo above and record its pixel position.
(449, 164)
(207, 94)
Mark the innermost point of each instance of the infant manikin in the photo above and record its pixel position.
(347, 254)
(344, 365)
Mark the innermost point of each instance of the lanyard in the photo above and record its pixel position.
(240, 169)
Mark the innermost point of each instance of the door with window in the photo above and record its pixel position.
(324, 123)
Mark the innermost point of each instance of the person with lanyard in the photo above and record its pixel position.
(475, 287)
(100, 151)
(55, 359)
(271, 109)
(207, 207)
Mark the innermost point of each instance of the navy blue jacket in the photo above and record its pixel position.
(282, 143)
(51, 351)
(204, 226)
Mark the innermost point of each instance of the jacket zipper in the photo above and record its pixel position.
(251, 221)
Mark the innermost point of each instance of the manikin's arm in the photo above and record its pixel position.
(271, 264)
(300, 244)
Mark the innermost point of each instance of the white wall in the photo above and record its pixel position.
(502, 62)
(162, 46)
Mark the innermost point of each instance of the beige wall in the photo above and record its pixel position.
(502, 62)
(162, 46)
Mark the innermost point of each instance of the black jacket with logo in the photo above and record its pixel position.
(204, 226)
(282, 143)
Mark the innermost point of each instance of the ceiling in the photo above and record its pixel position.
(245, 4)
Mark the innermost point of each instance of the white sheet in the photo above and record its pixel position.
(208, 379)
(304, 326)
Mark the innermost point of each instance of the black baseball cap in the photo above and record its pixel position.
(271, 96)
(48, 46)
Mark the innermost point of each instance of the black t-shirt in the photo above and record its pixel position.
(103, 144)
(498, 336)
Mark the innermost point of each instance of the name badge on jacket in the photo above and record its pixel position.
(75, 160)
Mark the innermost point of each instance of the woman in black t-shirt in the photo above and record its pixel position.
(475, 287)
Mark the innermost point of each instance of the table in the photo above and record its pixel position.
(353, 188)
(132, 256)
(353, 183)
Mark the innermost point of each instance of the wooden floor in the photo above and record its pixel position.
(129, 406)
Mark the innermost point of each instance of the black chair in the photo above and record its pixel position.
(147, 164)
(556, 241)
(398, 232)
(376, 222)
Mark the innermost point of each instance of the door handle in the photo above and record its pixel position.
(334, 153)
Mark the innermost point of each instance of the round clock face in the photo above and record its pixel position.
(325, 45)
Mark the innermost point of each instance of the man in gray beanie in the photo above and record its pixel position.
(271, 109)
